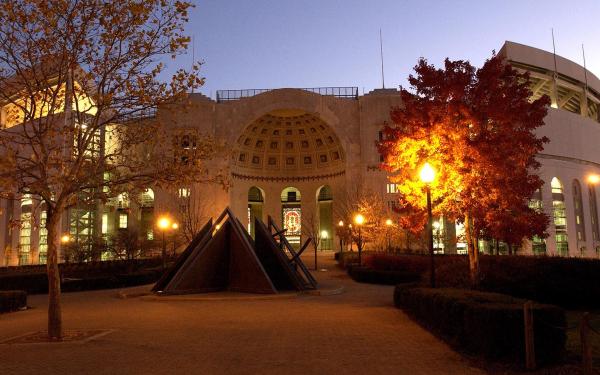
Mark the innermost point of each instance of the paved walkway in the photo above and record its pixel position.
(357, 332)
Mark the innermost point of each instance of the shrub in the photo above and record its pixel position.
(487, 324)
(567, 282)
(12, 300)
(38, 282)
(368, 275)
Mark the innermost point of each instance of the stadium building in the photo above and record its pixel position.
(295, 153)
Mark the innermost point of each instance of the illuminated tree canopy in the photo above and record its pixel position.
(476, 127)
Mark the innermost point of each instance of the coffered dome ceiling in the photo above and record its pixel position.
(288, 142)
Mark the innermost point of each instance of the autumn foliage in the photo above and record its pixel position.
(476, 127)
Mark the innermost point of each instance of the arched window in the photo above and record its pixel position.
(559, 217)
(147, 213)
(256, 199)
(291, 214)
(578, 204)
(538, 245)
(147, 198)
(593, 212)
(325, 207)
(123, 200)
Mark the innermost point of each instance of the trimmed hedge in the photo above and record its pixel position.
(371, 276)
(487, 324)
(12, 300)
(38, 282)
(572, 283)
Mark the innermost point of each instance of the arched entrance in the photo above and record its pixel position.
(256, 199)
(291, 214)
(325, 210)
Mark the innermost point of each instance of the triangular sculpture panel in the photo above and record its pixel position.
(224, 257)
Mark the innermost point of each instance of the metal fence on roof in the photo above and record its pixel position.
(338, 92)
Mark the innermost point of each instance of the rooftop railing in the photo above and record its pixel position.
(338, 92)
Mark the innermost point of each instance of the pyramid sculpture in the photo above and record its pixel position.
(223, 256)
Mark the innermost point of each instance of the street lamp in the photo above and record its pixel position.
(427, 176)
(174, 227)
(593, 179)
(65, 238)
(359, 220)
(164, 223)
(341, 228)
(388, 224)
(350, 236)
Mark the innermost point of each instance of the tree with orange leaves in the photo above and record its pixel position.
(476, 127)
(76, 78)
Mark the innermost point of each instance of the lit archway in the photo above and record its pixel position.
(559, 217)
(325, 210)
(256, 199)
(291, 214)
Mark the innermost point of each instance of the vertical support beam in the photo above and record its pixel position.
(586, 347)
(529, 335)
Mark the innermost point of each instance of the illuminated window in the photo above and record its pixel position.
(122, 221)
(392, 188)
(559, 217)
(25, 238)
(291, 221)
(147, 198)
(557, 187)
(26, 200)
(183, 192)
(105, 223)
(579, 217)
(123, 200)
(43, 253)
(150, 235)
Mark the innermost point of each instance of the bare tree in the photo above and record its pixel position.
(76, 79)
(359, 199)
(310, 229)
(191, 212)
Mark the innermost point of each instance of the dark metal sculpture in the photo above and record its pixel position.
(223, 256)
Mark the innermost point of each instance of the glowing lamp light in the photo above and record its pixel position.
(164, 223)
(65, 238)
(341, 223)
(436, 224)
(175, 226)
(593, 179)
(359, 219)
(427, 173)
(389, 222)
(324, 234)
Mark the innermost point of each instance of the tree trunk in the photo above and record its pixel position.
(55, 331)
(472, 252)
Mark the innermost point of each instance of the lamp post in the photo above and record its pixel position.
(164, 223)
(388, 224)
(350, 236)
(359, 221)
(427, 176)
(174, 227)
(341, 228)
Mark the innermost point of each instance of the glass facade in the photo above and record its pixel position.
(43, 245)
(25, 239)
(559, 217)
